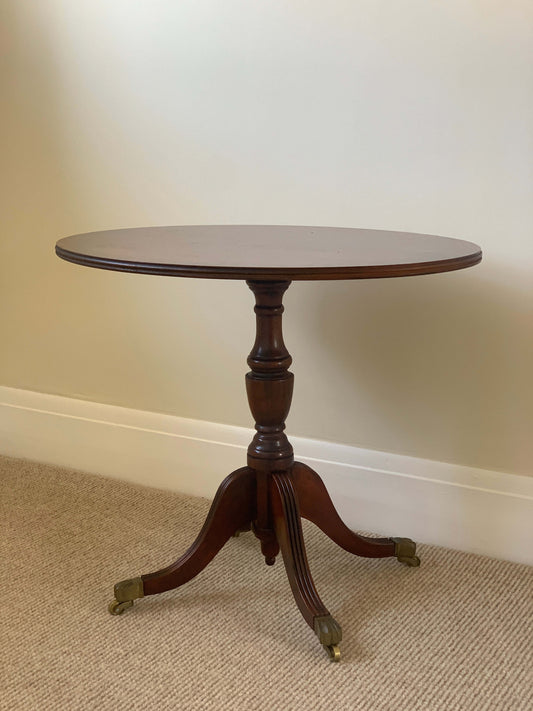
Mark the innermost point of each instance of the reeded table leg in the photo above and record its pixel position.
(288, 529)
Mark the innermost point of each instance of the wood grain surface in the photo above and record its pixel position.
(268, 252)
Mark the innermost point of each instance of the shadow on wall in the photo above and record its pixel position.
(435, 366)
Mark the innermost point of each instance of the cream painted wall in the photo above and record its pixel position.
(410, 115)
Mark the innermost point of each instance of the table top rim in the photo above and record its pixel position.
(468, 255)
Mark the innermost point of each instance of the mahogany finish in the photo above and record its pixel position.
(273, 492)
(233, 509)
(269, 387)
(317, 506)
(271, 253)
(288, 527)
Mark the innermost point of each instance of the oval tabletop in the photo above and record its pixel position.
(268, 252)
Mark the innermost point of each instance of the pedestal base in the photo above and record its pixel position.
(291, 495)
(272, 493)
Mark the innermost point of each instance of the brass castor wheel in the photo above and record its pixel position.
(125, 593)
(404, 550)
(117, 608)
(412, 562)
(329, 634)
(334, 653)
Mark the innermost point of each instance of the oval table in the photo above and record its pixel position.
(272, 492)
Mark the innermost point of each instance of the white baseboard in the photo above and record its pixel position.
(458, 507)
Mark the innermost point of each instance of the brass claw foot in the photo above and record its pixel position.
(125, 593)
(405, 550)
(329, 634)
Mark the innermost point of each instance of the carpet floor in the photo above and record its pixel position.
(454, 634)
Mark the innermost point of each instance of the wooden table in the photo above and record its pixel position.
(272, 492)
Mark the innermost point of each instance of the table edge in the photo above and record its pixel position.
(273, 273)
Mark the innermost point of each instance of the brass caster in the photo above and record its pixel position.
(334, 653)
(117, 608)
(413, 562)
(125, 593)
(328, 631)
(405, 550)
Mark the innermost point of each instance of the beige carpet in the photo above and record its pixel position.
(454, 634)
